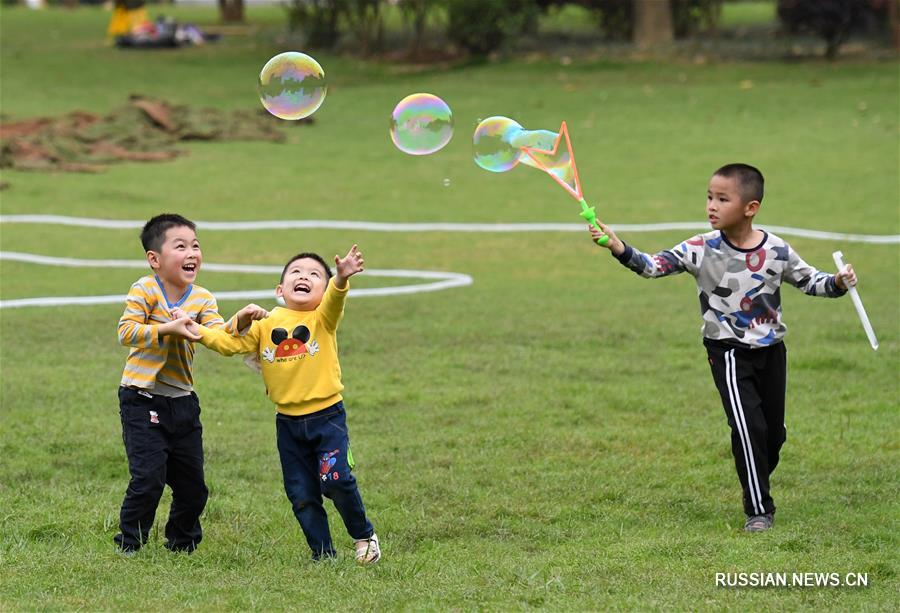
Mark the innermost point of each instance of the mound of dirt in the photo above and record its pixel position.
(144, 130)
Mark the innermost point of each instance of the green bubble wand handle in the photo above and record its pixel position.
(590, 214)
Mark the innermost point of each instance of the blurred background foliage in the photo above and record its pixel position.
(428, 30)
(479, 27)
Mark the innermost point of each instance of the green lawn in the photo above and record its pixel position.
(749, 13)
(548, 437)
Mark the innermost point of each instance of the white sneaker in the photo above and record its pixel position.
(367, 550)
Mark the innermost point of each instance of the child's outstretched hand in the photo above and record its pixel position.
(348, 266)
(250, 313)
(845, 277)
(614, 244)
(184, 326)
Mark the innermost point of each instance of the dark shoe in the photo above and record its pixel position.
(759, 523)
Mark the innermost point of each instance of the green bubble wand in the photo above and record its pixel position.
(560, 165)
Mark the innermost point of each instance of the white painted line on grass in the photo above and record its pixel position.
(440, 280)
(374, 226)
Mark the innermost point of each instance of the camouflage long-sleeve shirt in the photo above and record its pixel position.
(739, 289)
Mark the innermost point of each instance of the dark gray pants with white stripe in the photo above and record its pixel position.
(751, 383)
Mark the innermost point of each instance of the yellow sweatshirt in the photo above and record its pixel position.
(297, 351)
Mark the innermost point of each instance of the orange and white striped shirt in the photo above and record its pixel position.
(167, 361)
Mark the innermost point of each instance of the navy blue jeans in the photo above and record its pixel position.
(315, 462)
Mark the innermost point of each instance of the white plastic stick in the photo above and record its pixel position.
(857, 302)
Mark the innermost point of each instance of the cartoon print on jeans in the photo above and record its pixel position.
(326, 462)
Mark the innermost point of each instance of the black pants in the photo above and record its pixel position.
(751, 383)
(164, 443)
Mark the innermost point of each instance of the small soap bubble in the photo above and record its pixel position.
(446, 182)
(292, 85)
(421, 124)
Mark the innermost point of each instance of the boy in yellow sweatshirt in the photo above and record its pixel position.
(297, 349)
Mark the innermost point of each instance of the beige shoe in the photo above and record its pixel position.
(367, 550)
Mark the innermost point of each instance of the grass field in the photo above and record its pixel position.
(548, 437)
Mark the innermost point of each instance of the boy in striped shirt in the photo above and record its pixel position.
(739, 272)
(159, 410)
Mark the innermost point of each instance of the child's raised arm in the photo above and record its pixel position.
(683, 257)
(331, 308)
(614, 244)
(348, 266)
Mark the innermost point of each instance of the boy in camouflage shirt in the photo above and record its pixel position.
(739, 272)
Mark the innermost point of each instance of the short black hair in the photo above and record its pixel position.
(750, 180)
(154, 232)
(307, 255)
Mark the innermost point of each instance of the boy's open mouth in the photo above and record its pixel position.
(300, 286)
(189, 267)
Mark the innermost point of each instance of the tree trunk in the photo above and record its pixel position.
(231, 11)
(365, 16)
(419, 9)
(894, 17)
(652, 23)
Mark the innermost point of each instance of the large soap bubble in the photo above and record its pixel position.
(498, 143)
(421, 124)
(533, 139)
(292, 85)
(493, 146)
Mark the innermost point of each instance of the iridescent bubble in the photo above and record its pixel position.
(552, 153)
(501, 143)
(292, 85)
(421, 124)
(535, 139)
(493, 146)
(498, 143)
